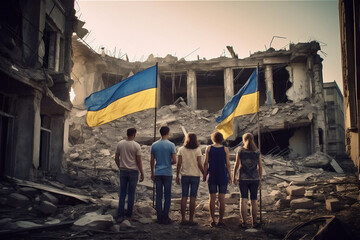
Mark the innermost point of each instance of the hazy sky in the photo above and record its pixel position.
(205, 28)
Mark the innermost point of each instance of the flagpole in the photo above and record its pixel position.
(153, 195)
(259, 137)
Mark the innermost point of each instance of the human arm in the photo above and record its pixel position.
(152, 166)
(236, 168)
(228, 164)
(117, 160)
(139, 164)
(178, 167)
(206, 163)
(173, 158)
(200, 166)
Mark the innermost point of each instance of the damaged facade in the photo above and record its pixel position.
(292, 115)
(349, 14)
(35, 66)
(335, 119)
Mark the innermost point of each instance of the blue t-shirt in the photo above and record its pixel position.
(162, 151)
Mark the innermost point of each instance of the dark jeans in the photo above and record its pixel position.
(128, 181)
(163, 186)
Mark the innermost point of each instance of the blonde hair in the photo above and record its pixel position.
(249, 143)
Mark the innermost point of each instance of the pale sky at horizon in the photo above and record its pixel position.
(205, 28)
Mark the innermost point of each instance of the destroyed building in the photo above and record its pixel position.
(335, 119)
(35, 66)
(349, 12)
(292, 117)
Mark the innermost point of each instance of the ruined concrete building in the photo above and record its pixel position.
(349, 12)
(335, 119)
(35, 66)
(292, 115)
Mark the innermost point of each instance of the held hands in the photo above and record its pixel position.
(235, 180)
(230, 180)
(141, 177)
(178, 180)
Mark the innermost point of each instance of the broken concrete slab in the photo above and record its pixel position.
(333, 204)
(302, 203)
(94, 220)
(18, 200)
(47, 207)
(295, 191)
(49, 197)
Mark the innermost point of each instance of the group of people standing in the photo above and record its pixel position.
(247, 173)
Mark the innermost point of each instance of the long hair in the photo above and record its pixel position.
(191, 141)
(249, 143)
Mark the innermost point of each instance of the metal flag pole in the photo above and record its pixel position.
(259, 136)
(153, 190)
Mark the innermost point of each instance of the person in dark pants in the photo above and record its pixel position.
(163, 155)
(249, 160)
(128, 160)
(217, 170)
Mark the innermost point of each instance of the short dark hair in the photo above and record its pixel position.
(191, 141)
(131, 132)
(164, 130)
(217, 137)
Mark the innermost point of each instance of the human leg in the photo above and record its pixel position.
(253, 187)
(167, 197)
(195, 181)
(185, 194)
(212, 198)
(222, 192)
(122, 195)
(159, 194)
(133, 178)
(244, 194)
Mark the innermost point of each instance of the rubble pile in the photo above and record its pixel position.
(85, 196)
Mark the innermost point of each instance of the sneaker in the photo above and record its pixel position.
(167, 221)
(213, 224)
(221, 224)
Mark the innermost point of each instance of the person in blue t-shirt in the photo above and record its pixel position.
(163, 155)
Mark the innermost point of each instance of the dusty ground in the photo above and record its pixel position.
(89, 170)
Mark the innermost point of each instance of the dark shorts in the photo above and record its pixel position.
(214, 188)
(189, 182)
(249, 185)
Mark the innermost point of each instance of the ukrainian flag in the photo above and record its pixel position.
(246, 101)
(134, 94)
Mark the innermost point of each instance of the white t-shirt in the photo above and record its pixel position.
(189, 166)
(128, 150)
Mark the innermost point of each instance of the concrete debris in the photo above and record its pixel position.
(18, 200)
(93, 220)
(49, 197)
(47, 207)
(301, 203)
(295, 191)
(333, 204)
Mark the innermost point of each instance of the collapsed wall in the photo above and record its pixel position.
(290, 86)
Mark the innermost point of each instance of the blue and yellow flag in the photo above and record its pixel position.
(134, 94)
(246, 101)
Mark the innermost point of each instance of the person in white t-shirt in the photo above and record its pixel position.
(191, 168)
(128, 160)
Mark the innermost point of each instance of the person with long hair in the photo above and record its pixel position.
(218, 175)
(248, 159)
(190, 167)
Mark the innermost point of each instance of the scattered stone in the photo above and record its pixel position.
(333, 204)
(283, 203)
(28, 191)
(26, 224)
(303, 203)
(47, 207)
(295, 191)
(146, 220)
(126, 224)
(4, 221)
(49, 197)
(18, 200)
(94, 220)
(54, 221)
(74, 156)
(274, 111)
(173, 108)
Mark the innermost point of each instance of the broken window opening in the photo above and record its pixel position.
(281, 84)
(49, 39)
(6, 135)
(173, 86)
(242, 75)
(45, 138)
(110, 79)
(210, 90)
